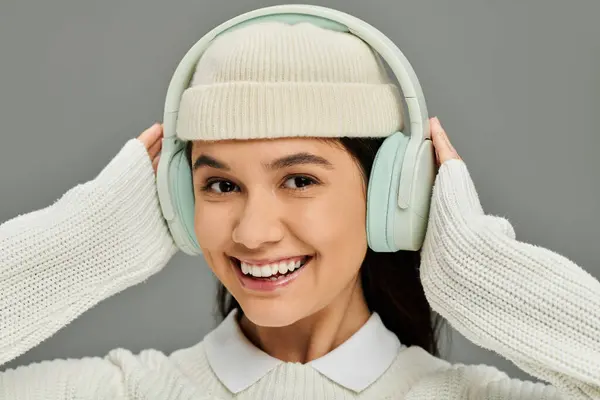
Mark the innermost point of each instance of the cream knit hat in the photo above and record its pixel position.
(273, 79)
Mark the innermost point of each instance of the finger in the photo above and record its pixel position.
(435, 149)
(437, 137)
(155, 148)
(444, 148)
(155, 163)
(151, 135)
(445, 152)
(448, 142)
(437, 156)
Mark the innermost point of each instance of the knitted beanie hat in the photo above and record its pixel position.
(272, 80)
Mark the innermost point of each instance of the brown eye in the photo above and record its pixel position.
(298, 182)
(220, 187)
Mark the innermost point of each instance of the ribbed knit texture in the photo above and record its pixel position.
(278, 80)
(527, 303)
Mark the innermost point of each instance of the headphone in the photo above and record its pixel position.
(403, 172)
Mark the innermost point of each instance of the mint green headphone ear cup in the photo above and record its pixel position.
(389, 227)
(382, 192)
(180, 175)
(410, 225)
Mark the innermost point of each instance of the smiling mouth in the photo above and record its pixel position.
(271, 272)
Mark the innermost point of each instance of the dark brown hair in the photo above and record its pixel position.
(390, 281)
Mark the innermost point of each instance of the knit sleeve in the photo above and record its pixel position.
(82, 379)
(479, 382)
(533, 306)
(99, 238)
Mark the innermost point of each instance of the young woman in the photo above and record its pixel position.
(310, 311)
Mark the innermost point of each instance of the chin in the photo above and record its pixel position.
(277, 300)
(271, 312)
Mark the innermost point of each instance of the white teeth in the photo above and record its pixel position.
(294, 265)
(266, 271)
(269, 269)
(282, 268)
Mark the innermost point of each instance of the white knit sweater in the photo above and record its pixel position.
(529, 304)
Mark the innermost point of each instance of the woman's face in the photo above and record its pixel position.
(280, 222)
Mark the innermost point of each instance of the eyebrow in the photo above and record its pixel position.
(299, 159)
(208, 161)
(284, 162)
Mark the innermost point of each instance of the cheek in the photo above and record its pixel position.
(211, 225)
(335, 227)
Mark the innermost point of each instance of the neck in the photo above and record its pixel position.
(316, 335)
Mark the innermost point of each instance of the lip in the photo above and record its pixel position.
(260, 285)
(266, 261)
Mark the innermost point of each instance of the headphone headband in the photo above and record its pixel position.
(327, 18)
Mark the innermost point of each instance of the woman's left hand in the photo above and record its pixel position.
(443, 148)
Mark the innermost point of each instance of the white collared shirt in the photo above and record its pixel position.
(355, 364)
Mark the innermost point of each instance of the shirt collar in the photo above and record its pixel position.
(355, 364)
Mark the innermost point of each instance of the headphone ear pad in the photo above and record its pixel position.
(382, 192)
(182, 197)
(389, 227)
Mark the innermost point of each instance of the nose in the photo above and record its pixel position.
(259, 222)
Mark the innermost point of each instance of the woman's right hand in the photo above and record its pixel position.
(152, 139)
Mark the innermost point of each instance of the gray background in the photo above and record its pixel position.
(516, 85)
